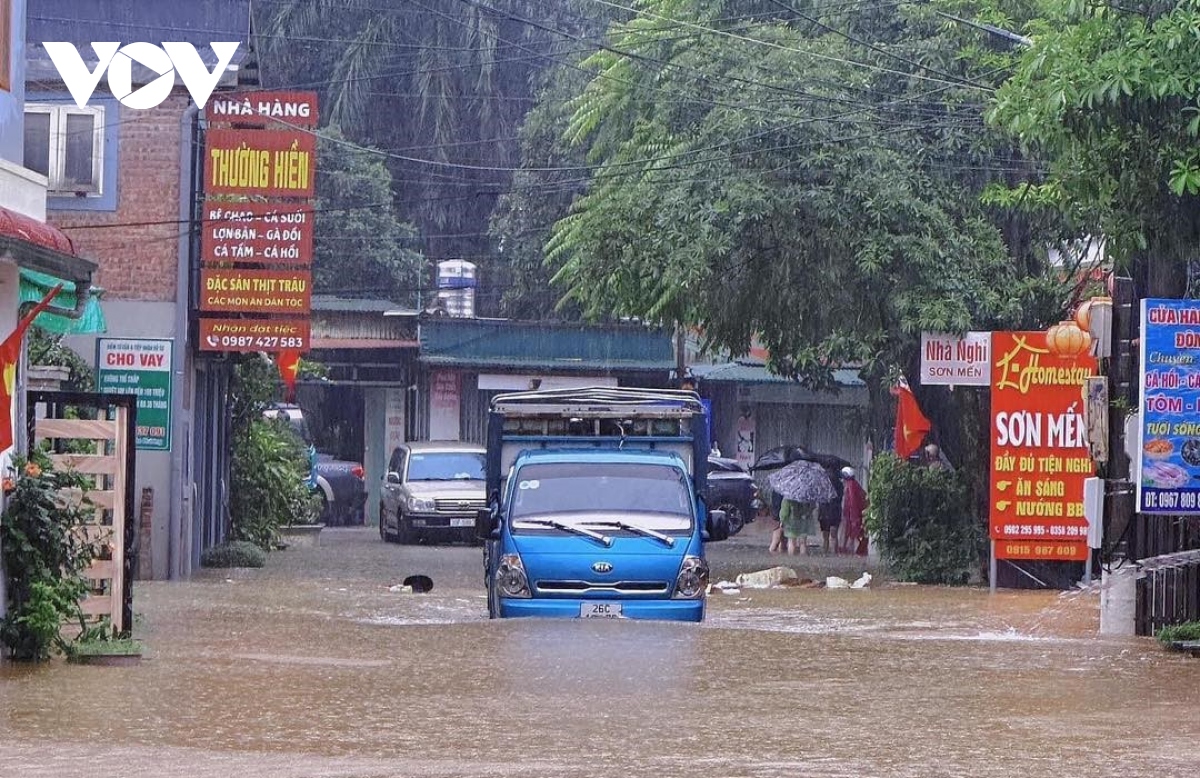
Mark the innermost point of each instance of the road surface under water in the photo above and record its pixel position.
(312, 667)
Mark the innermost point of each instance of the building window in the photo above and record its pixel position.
(65, 143)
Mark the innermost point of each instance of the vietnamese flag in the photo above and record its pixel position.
(10, 357)
(911, 424)
(289, 368)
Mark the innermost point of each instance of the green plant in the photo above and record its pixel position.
(44, 555)
(1189, 630)
(101, 640)
(923, 520)
(269, 487)
(235, 553)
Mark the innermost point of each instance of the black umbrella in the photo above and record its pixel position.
(779, 456)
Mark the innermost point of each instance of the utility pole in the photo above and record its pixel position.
(1123, 398)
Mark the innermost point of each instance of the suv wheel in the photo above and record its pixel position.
(384, 535)
(737, 518)
(404, 533)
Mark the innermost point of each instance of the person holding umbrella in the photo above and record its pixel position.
(802, 483)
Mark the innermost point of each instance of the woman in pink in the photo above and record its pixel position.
(854, 504)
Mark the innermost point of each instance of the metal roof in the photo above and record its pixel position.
(752, 373)
(558, 347)
(198, 22)
(335, 304)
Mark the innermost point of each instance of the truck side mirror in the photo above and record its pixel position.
(392, 477)
(485, 527)
(718, 525)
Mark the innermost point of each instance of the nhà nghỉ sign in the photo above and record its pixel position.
(1039, 449)
(257, 233)
(956, 360)
(255, 335)
(256, 291)
(140, 367)
(273, 163)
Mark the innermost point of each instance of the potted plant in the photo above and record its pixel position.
(101, 645)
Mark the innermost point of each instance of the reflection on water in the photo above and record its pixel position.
(313, 668)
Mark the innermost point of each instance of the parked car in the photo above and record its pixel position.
(731, 488)
(432, 491)
(340, 483)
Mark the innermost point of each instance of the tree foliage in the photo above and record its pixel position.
(360, 241)
(1109, 95)
(793, 178)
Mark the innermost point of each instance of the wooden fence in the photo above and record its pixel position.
(103, 450)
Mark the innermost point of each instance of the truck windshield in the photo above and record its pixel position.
(445, 466)
(650, 496)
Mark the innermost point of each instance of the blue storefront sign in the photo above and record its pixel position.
(1168, 477)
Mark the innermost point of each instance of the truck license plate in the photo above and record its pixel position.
(600, 610)
(462, 522)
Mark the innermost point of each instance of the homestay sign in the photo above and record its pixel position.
(1039, 449)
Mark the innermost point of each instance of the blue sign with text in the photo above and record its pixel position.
(1169, 463)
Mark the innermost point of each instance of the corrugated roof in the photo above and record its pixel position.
(543, 345)
(750, 373)
(198, 22)
(334, 304)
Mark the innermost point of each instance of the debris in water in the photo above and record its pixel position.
(765, 579)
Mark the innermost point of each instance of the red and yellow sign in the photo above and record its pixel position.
(263, 109)
(273, 163)
(256, 291)
(254, 334)
(257, 233)
(1039, 449)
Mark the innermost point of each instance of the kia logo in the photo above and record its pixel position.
(602, 567)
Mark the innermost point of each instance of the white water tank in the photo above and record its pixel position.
(456, 287)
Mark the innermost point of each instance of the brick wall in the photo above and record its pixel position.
(137, 262)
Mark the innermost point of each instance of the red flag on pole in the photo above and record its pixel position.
(911, 424)
(289, 368)
(10, 357)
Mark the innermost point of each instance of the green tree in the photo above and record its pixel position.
(1109, 95)
(360, 241)
(441, 85)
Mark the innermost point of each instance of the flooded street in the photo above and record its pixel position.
(312, 667)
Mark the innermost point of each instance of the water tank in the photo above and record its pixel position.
(455, 274)
(457, 302)
(456, 287)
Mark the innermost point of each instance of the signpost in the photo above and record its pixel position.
(956, 360)
(1169, 466)
(1039, 450)
(140, 367)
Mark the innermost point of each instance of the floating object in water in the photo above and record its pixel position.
(836, 582)
(419, 583)
(863, 582)
(765, 579)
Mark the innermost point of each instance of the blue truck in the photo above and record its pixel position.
(595, 504)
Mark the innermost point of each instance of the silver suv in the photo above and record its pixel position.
(432, 491)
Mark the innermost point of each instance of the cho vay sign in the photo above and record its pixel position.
(1039, 450)
(256, 246)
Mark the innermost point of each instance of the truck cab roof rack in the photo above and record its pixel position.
(600, 402)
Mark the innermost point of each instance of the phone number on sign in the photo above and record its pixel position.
(257, 341)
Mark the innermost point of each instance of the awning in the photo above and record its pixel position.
(35, 285)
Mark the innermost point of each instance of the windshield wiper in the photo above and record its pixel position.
(587, 533)
(635, 529)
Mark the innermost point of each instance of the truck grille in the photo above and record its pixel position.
(459, 506)
(614, 587)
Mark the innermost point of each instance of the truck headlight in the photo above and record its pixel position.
(511, 578)
(421, 505)
(692, 581)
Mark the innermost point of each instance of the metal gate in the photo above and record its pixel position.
(94, 435)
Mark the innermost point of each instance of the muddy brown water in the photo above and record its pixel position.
(312, 667)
